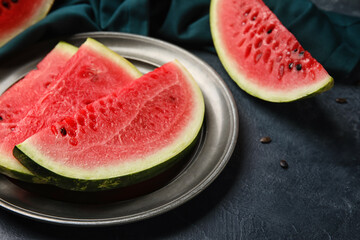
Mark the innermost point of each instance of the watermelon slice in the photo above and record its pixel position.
(17, 15)
(261, 55)
(93, 72)
(18, 100)
(126, 137)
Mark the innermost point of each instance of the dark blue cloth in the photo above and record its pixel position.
(331, 38)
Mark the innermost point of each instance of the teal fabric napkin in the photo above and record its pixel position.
(333, 39)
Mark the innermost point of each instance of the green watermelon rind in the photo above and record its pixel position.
(82, 185)
(255, 90)
(104, 178)
(66, 47)
(17, 171)
(116, 58)
(25, 175)
(42, 12)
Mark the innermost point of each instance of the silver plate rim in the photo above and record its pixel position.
(233, 123)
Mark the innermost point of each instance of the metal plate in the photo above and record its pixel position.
(214, 149)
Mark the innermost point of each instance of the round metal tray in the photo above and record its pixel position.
(216, 144)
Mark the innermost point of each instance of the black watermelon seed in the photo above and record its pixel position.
(291, 65)
(298, 67)
(6, 4)
(295, 50)
(341, 100)
(1, 118)
(265, 139)
(301, 53)
(284, 164)
(63, 131)
(14, 1)
(269, 31)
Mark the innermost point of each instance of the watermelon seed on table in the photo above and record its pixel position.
(341, 100)
(284, 164)
(266, 139)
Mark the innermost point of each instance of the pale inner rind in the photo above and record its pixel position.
(99, 48)
(11, 164)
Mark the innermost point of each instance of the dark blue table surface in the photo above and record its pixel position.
(317, 197)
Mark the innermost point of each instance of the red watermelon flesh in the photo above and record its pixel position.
(145, 124)
(93, 72)
(261, 55)
(17, 15)
(18, 100)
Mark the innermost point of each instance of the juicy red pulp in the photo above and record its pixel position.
(263, 47)
(148, 114)
(15, 13)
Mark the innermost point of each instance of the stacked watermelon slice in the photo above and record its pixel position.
(99, 124)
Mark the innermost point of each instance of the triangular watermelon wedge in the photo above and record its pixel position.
(123, 138)
(93, 72)
(261, 55)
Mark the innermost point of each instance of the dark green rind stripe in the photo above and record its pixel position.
(100, 184)
(21, 176)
